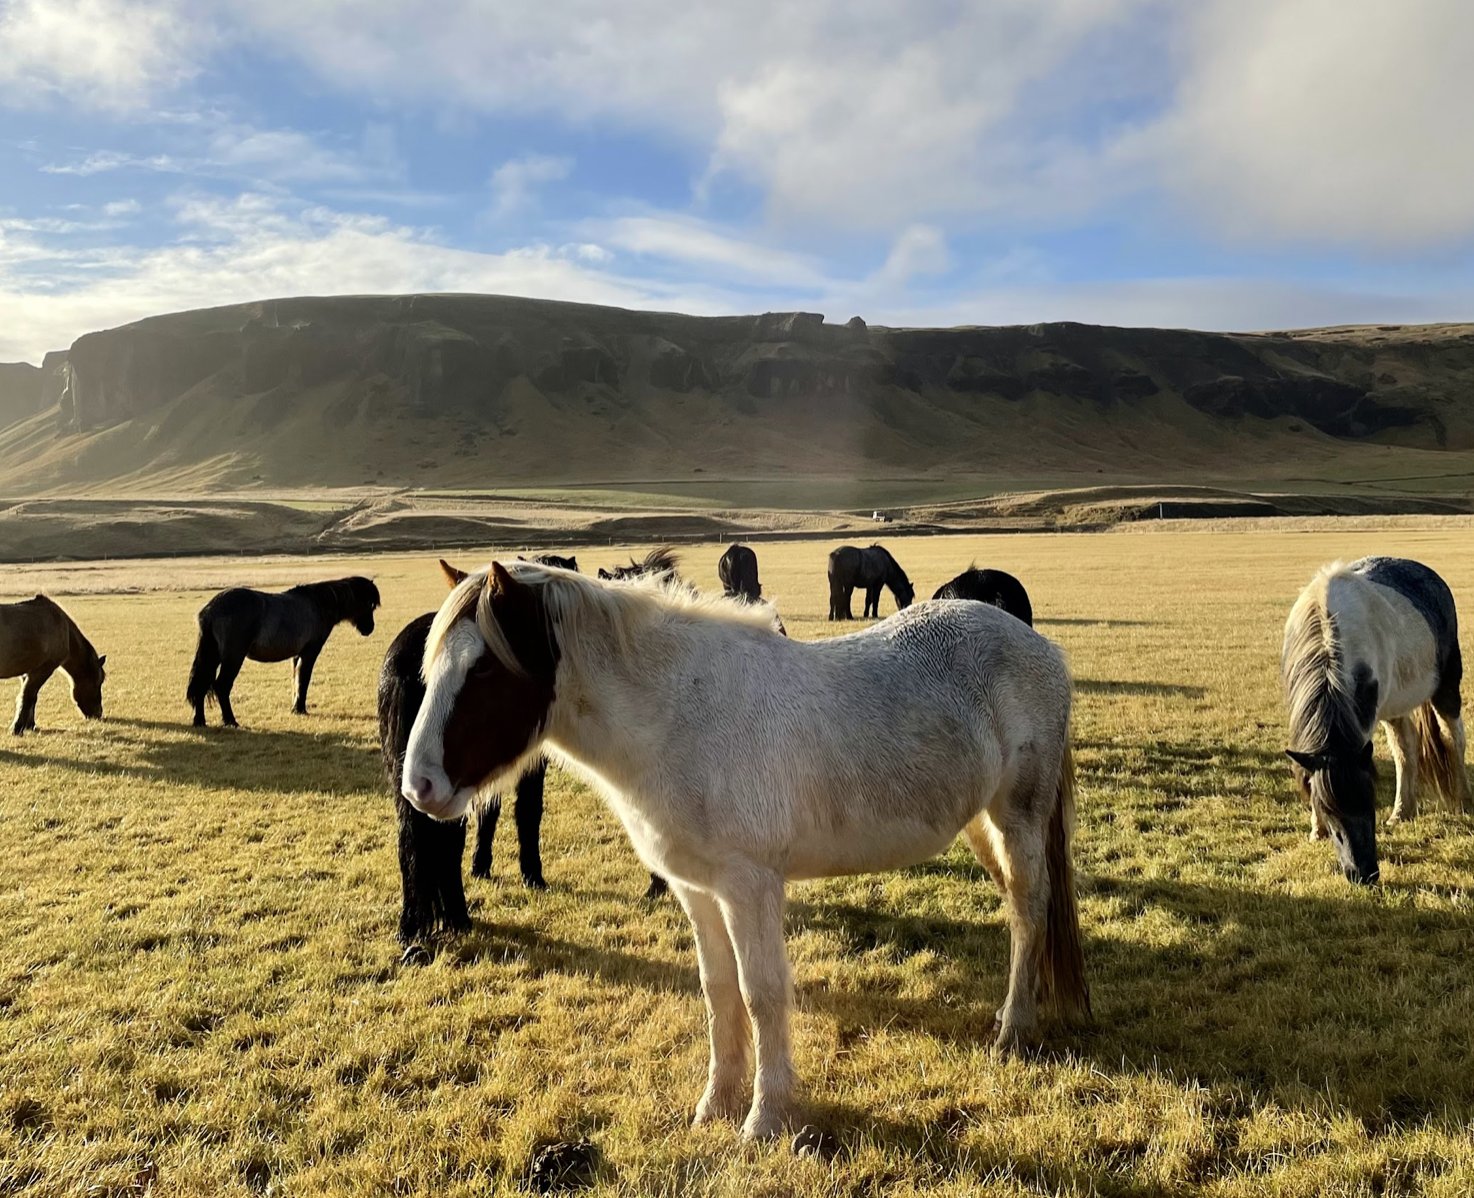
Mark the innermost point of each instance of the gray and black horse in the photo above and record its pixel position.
(295, 624)
(990, 586)
(1375, 641)
(872, 569)
(738, 573)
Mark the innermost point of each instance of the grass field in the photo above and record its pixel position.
(200, 991)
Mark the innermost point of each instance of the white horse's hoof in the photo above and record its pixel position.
(1013, 1041)
(766, 1121)
(718, 1105)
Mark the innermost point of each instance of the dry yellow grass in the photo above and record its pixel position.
(199, 990)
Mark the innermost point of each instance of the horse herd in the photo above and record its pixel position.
(734, 766)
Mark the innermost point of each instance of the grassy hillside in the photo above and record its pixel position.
(485, 391)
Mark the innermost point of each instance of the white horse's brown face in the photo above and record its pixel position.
(480, 717)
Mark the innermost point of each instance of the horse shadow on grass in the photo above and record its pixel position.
(1358, 1003)
(231, 759)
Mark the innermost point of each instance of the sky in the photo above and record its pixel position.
(1221, 164)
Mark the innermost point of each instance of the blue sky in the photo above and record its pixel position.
(1231, 164)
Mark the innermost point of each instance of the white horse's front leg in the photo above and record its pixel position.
(753, 908)
(730, 1032)
(1402, 740)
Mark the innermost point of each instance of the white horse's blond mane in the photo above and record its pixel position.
(1313, 667)
(571, 599)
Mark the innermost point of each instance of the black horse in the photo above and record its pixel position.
(430, 851)
(552, 559)
(870, 568)
(295, 624)
(990, 586)
(738, 572)
(657, 561)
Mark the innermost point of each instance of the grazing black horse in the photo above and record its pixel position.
(990, 586)
(870, 568)
(295, 624)
(738, 572)
(657, 561)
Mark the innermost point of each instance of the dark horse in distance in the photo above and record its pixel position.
(37, 638)
(738, 573)
(990, 586)
(872, 569)
(295, 624)
(657, 561)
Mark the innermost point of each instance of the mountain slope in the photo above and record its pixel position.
(468, 391)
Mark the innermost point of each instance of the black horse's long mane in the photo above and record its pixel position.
(342, 597)
(893, 569)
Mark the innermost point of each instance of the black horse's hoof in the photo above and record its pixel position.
(198, 721)
(415, 954)
(481, 869)
(534, 881)
(659, 887)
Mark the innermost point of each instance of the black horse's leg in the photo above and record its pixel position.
(304, 675)
(430, 870)
(486, 819)
(658, 887)
(25, 705)
(872, 601)
(528, 811)
(230, 667)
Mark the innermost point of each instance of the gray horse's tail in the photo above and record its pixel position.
(1438, 759)
(206, 663)
(1062, 968)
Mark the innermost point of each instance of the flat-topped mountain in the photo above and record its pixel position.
(481, 391)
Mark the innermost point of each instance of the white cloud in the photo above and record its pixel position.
(698, 244)
(122, 208)
(95, 54)
(515, 182)
(257, 247)
(1328, 120)
(919, 250)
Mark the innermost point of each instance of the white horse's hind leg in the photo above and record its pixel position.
(1020, 846)
(1402, 739)
(730, 1032)
(752, 906)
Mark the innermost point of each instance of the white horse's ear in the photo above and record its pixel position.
(453, 576)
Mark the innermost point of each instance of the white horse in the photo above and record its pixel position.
(1377, 640)
(738, 759)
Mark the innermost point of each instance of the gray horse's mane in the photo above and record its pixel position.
(1316, 685)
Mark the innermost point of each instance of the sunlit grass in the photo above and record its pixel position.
(200, 989)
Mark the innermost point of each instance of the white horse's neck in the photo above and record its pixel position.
(609, 713)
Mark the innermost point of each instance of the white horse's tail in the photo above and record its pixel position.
(1438, 758)
(1062, 968)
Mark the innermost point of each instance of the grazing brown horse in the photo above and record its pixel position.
(36, 639)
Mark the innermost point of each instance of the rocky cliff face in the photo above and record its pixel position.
(20, 391)
(519, 384)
